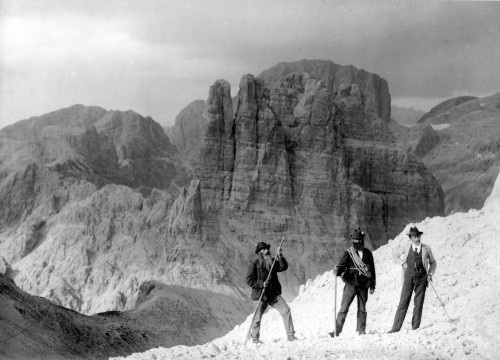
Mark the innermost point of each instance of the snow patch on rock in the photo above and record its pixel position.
(439, 127)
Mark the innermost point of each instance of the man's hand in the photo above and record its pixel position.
(336, 271)
(372, 291)
(266, 283)
(429, 278)
(278, 251)
(404, 265)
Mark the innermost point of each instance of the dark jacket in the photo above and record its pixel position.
(352, 275)
(257, 274)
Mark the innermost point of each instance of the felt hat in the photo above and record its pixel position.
(414, 232)
(260, 246)
(357, 234)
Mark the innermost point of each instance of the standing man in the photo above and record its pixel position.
(358, 268)
(257, 274)
(418, 266)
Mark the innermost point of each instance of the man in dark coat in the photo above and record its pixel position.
(418, 265)
(358, 272)
(257, 274)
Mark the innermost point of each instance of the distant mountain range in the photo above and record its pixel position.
(406, 116)
(459, 141)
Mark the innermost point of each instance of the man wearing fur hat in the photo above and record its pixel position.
(358, 269)
(418, 266)
(257, 274)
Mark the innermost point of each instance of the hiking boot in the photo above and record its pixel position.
(332, 334)
(392, 331)
(362, 333)
(292, 338)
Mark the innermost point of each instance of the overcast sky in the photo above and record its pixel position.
(155, 56)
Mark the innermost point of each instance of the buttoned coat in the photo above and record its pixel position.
(257, 274)
(352, 276)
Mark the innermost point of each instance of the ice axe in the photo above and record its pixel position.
(262, 292)
(334, 332)
(442, 304)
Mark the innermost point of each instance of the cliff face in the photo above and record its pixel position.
(300, 159)
(420, 139)
(188, 131)
(80, 190)
(333, 76)
(41, 159)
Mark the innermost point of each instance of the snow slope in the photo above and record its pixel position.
(466, 247)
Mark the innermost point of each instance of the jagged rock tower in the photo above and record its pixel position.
(307, 160)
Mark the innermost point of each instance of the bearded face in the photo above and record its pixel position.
(358, 244)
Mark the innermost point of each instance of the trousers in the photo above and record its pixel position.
(351, 291)
(413, 282)
(279, 304)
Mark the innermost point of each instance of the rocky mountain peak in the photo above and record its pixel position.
(374, 87)
(51, 161)
(188, 131)
(187, 134)
(134, 136)
(301, 159)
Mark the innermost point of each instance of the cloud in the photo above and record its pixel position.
(155, 57)
(62, 59)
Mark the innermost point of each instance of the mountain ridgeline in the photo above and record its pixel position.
(459, 141)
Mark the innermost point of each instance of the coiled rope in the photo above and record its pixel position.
(358, 263)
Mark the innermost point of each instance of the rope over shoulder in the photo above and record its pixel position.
(358, 263)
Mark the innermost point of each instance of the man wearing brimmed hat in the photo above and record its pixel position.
(418, 266)
(257, 274)
(358, 269)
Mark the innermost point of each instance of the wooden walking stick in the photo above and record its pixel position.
(262, 292)
(335, 306)
(441, 302)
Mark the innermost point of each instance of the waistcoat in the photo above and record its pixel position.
(415, 264)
